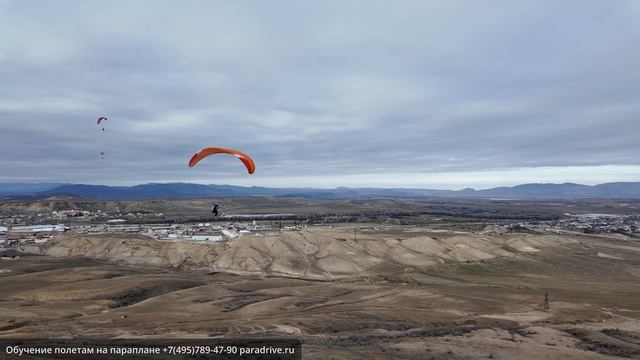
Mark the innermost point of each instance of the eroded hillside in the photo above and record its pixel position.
(318, 253)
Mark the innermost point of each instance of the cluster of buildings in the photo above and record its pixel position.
(29, 233)
(588, 223)
(9, 220)
(15, 229)
(204, 232)
(603, 223)
(99, 215)
(180, 232)
(18, 228)
(76, 215)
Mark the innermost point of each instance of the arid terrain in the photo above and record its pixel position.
(385, 291)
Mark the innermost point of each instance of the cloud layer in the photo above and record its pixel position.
(404, 93)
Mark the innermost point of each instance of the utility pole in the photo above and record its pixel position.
(355, 232)
(546, 300)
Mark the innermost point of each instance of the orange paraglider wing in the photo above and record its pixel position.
(246, 159)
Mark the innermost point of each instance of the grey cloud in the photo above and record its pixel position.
(315, 88)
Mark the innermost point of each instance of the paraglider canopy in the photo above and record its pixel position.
(246, 159)
(101, 119)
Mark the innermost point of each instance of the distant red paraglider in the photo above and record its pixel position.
(246, 159)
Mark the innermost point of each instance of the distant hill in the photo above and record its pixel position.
(563, 191)
(187, 190)
(25, 188)
(159, 191)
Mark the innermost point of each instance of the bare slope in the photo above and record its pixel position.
(319, 253)
(395, 293)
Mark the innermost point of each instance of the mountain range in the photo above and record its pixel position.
(629, 190)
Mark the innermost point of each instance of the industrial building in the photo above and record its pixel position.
(39, 228)
(207, 237)
(122, 228)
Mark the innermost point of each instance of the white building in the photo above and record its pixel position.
(206, 237)
(3, 229)
(116, 221)
(123, 228)
(39, 228)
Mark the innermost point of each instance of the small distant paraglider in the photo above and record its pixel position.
(246, 159)
(99, 122)
(101, 119)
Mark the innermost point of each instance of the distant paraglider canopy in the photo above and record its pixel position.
(246, 159)
(101, 119)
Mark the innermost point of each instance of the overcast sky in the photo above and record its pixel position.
(438, 94)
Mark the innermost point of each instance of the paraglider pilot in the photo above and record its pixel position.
(214, 209)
